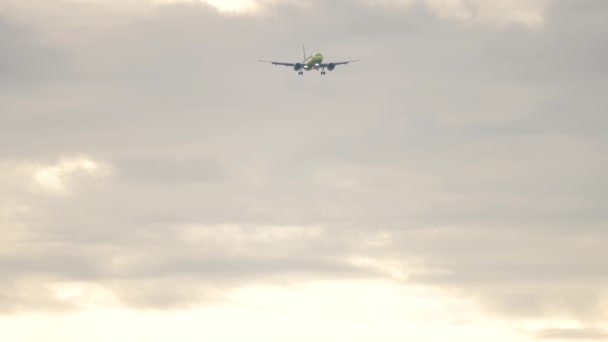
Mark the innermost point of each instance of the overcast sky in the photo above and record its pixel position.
(158, 183)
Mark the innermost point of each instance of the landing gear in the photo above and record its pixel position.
(300, 73)
(322, 72)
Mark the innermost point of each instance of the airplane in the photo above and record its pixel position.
(312, 62)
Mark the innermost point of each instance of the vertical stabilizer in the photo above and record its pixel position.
(304, 50)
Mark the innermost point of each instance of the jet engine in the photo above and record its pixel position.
(297, 67)
(331, 66)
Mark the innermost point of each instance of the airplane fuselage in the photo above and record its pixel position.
(312, 62)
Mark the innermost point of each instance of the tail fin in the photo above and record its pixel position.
(304, 50)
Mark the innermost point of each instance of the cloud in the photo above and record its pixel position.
(572, 334)
(499, 13)
(53, 178)
(452, 157)
(231, 6)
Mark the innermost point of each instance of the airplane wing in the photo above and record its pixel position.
(325, 65)
(279, 63)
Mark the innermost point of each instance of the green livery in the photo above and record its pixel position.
(314, 59)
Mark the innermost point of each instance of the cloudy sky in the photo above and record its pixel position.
(158, 183)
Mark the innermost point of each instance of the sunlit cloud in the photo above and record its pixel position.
(234, 234)
(82, 295)
(237, 6)
(54, 178)
(496, 13)
(350, 310)
(395, 269)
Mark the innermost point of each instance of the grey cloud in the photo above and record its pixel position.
(25, 58)
(517, 271)
(189, 171)
(480, 152)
